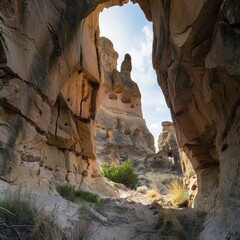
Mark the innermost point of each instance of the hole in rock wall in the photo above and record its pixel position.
(130, 32)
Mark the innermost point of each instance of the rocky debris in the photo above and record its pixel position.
(121, 132)
(157, 170)
(167, 157)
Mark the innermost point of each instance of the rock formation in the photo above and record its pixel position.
(48, 50)
(168, 146)
(121, 131)
(49, 81)
(196, 58)
(189, 179)
(158, 170)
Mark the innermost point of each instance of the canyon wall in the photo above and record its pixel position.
(196, 56)
(49, 80)
(121, 131)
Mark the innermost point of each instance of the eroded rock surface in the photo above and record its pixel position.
(121, 131)
(49, 81)
(43, 44)
(168, 146)
(196, 57)
(158, 170)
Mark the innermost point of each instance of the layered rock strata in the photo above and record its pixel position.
(43, 44)
(49, 81)
(196, 57)
(121, 131)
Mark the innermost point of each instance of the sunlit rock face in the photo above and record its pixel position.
(49, 81)
(121, 131)
(45, 45)
(196, 56)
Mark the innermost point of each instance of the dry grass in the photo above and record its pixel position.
(46, 228)
(180, 224)
(154, 195)
(21, 219)
(169, 227)
(177, 192)
(84, 230)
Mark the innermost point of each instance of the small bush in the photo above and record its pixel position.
(180, 225)
(66, 192)
(124, 173)
(177, 192)
(73, 195)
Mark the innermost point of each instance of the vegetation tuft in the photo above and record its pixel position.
(179, 225)
(20, 218)
(17, 208)
(169, 227)
(124, 173)
(69, 193)
(177, 192)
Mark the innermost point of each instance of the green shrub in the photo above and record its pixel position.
(66, 192)
(124, 173)
(73, 195)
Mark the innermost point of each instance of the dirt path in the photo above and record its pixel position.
(132, 217)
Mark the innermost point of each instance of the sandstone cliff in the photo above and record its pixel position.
(45, 45)
(49, 81)
(196, 57)
(121, 131)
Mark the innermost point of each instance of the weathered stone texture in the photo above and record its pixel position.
(121, 131)
(44, 45)
(196, 57)
(168, 146)
(49, 81)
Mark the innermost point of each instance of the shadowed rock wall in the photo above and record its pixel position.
(196, 56)
(44, 44)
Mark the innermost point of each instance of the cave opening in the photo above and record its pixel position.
(131, 102)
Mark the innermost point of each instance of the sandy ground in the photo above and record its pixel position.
(127, 215)
(134, 216)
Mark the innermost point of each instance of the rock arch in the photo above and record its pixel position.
(196, 58)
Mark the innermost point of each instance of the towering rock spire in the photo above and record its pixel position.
(121, 131)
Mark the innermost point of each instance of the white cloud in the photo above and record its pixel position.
(155, 126)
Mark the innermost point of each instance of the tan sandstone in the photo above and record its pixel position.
(45, 44)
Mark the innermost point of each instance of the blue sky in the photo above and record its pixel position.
(130, 32)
